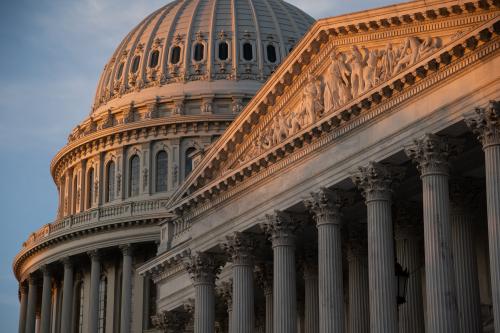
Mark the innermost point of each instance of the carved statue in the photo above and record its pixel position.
(310, 95)
(358, 62)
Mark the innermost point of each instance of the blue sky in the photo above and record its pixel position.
(52, 53)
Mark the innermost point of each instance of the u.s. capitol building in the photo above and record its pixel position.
(247, 169)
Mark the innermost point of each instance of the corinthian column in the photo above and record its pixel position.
(326, 206)
(357, 258)
(126, 306)
(264, 277)
(95, 275)
(239, 247)
(485, 123)
(46, 300)
(281, 228)
(23, 291)
(203, 269)
(67, 301)
(431, 153)
(376, 182)
(463, 194)
(408, 232)
(31, 311)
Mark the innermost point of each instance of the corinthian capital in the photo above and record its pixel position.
(326, 205)
(239, 247)
(281, 228)
(432, 153)
(377, 181)
(203, 267)
(485, 123)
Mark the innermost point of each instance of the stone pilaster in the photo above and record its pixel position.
(281, 228)
(264, 277)
(46, 300)
(358, 294)
(239, 247)
(485, 123)
(95, 277)
(23, 291)
(67, 302)
(376, 182)
(225, 291)
(408, 231)
(432, 153)
(203, 269)
(326, 206)
(32, 301)
(464, 193)
(126, 306)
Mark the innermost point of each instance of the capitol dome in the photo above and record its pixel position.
(231, 46)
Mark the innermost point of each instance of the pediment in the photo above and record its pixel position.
(339, 69)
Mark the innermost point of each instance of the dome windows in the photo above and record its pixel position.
(247, 51)
(135, 64)
(119, 72)
(153, 60)
(134, 176)
(161, 171)
(271, 53)
(198, 52)
(223, 51)
(175, 55)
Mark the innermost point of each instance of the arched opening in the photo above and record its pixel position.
(135, 64)
(223, 51)
(271, 53)
(153, 61)
(161, 172)
(188, 161)
(134, 176)
(119, 72)
(90, 188)
(75, 194)
(247, 52)
(175, 56)
(199, 49)
(110, 181)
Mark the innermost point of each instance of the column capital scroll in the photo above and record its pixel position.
(377, 181)
(94, 254)
(326, 205)
(281, 227)
(203, 267)
(239, 247)
(126, 249)
(485, 123)
(67, 262)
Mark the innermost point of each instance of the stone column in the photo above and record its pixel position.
(31, 309)
(126, 305)
(431, 153)
(326, 206)
(67, 302)
(264, 277)
(95, 277)
(311, 304)
(376, 182)
(239, 247)
(203, 269)
(281, 228)
(485, 123)
(357, 258)
(46, 300)
(409, 233)
(226, 293)
(464, 193)
(23, 291)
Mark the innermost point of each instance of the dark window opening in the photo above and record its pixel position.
(247, 52)
(135, 64)
(120, 71)
(198, 51)
(223, 51)
(176, 55)
(271, 53)
(153, 61)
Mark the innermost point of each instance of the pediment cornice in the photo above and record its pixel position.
(461, 29)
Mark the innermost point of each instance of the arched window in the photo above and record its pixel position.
(271, 53)
(134, 176)
(175, 56)
(161, 171)
(223, 51)
(247, 52)
(153, 61)
(189, 162)
(79, 302)
(110, 181)
(135, 64)
(119, 71)
(199, 49)
(75, 193)
(103, 286)
(90, 187)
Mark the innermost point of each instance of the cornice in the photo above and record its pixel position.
(414, 16)
(400, 89)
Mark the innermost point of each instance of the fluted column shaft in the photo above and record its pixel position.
(126, 289)
(466, 274)
(484, 122)
(311, 306)
(95, 275)
(46, 301)
(22, 308)
(67, 302)
(31, 309)
(359, 310)
(269, 311)
(432, 154)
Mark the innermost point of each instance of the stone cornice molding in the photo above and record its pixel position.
(408, 84)
(485, 123)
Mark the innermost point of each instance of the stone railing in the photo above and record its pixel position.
(97, 215)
